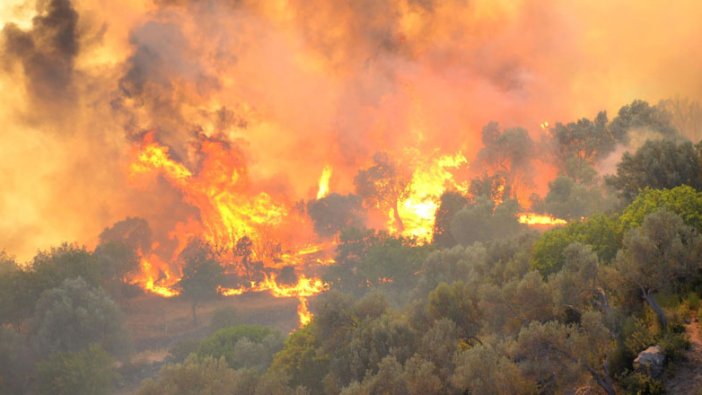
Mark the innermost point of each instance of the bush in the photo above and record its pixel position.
(674, 345)
(249, 346)
(693, 301)
(88, 372)
(638, 383)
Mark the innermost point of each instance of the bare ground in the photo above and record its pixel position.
(156, 323)
(687, 379)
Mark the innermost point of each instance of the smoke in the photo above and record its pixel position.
(296, 85)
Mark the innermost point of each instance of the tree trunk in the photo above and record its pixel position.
(398, 220)
(651, 299)
(603, 380)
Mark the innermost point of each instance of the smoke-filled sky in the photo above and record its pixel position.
(295, 85)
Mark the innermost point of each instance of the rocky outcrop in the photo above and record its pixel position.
(650, 361)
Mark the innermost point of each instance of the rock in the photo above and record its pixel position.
(650, 361)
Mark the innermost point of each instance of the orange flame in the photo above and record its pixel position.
(540, 219)
(418, 209)
(324, 182)
(304, 288)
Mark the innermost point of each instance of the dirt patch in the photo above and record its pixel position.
(687, 379)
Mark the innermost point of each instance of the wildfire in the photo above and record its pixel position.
(418, 208)
(228, 211)
(154, 280)
(218, 190)
(304, 288)
(540, 219)
(324, 182)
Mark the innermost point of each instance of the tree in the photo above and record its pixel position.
(601, 232)
(243, 346)
(663, 254)
(486, 369)
(483, 221)
(569, 200)
(75, 315)
(302, 360)
(579, 145)
(556, 355)
(382, 186)
(86, 372)
(639, 115)
(657, 164)
(202, 275)
(201, 376)
(15, 362)
(335, 212)
(458, 302)
(449, 204)
(683, 200)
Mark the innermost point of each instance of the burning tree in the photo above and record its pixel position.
(382, 186)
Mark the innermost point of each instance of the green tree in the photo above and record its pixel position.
(557, 355)
(302, 360)
(243, 346)
(86, 372)
(200, 376)
(483, 221)
(458, 302)
(683, 200)
(657, 164)
(449, 204)
(569, 200)
(15, 362)
(202, 275)
(71, 317)
(601, 232)
(663, 254)
(485, 369)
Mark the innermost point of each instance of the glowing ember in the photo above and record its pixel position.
(540, 219)
(324, 182)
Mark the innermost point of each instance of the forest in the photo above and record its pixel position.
(383, 197)
(488, 306)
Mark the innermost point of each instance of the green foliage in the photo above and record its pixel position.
(200, 376)
(202, 275)
(301, 359)
(483, 221)
(601, 232)
(674, 345)
(639, 383)
(569, 200)
(485, 369)
(449, 205)
(458, 302)
(87, 372)
(15, 363)
(683, 200)
(243, 346)
(367, 259)
(75, 315)
(693, 301)
(662, 255)
(660, 164)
